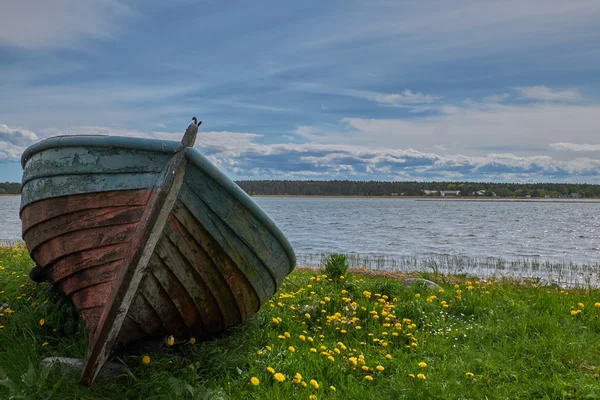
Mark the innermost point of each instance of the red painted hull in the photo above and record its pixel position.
(192, 287)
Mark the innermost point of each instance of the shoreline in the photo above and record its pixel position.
(437, 198)
(421, 198)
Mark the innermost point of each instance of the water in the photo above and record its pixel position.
(10, 224)
(530, 238)
(556, 241)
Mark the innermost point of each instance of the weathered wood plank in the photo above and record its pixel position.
(68, 185)
(51, 208)
(242, 255)
(178, 295)
(80, 220)
(184, 225)
(160, 301)
(194, 285)
(142, 313)
(90, 318)
(92, 296)
(210, 274)
(103, 273)
(92, 160)
(75, 242)
(245, 224)
(74, 263)
(230, 188)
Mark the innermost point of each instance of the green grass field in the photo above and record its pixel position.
(359, 337)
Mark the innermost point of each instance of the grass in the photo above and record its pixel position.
(569, 275)
(475, 340)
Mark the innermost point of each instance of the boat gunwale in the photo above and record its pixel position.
(167, 146)
(124, 142)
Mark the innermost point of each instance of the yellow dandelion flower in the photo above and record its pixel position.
(259, 353)
(369, 377)
(312, 397)
(170, 341)
(422, 364)
(580, 305)
(1, 326)
(470, 374)
(314, 383)
(291, 349)
(145, 360)
(313, 350)
(307, 315)
(192, 340)
(412, 376)
(388, 356)
(254, 380)
(42, 322)
(45, 344)
(332, 388)
(286, 334)
(279, 377)
(365, 368)
(330, 358)
(304, 384)
(297, 378)
(421, 377)
(268, 348)
(302, 337)
(271, 370)
(380, 368)
(597, 305)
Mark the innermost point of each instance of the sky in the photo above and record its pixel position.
(502, 91)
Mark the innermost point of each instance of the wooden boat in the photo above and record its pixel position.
(147, 238)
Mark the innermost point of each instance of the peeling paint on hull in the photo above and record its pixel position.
(148, 239)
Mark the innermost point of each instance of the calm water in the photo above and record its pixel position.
(548, 231)
(384, 232)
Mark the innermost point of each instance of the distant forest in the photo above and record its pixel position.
(10, 188)
(376, 188)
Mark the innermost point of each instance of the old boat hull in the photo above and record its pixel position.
(148, 239)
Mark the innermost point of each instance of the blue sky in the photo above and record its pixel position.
(385, 90)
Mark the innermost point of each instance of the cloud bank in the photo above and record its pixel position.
(247, 156)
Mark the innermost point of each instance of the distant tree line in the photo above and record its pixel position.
(10, 188)
(377, 188)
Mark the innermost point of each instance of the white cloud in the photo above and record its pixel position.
(406, 98)
(400, 99)
(565, 146)
(40, 24)
(469, 128)
(13, 141)
(499, 98)
(16, 136)
(244, 156)
(545, 93)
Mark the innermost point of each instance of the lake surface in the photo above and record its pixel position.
(403, 233)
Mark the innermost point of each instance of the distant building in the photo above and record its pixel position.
(575, 195)
(427, 192)
(480, 193)
(449, 192)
